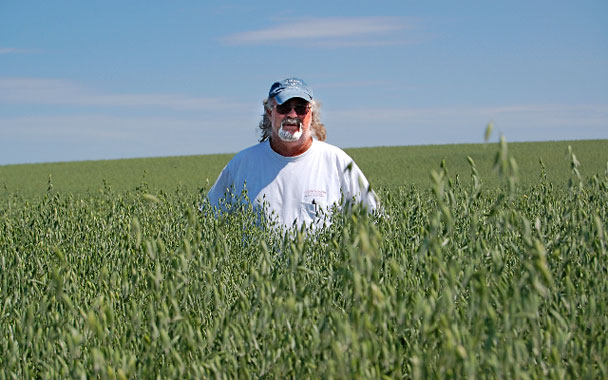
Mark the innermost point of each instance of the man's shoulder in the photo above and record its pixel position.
(332, 151)
(250, 152)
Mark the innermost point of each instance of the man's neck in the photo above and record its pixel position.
(290, 149)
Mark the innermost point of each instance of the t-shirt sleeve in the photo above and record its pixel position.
(221, 189)
(357, 187)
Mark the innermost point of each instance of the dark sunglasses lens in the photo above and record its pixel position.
(283, 109)
(301, 109)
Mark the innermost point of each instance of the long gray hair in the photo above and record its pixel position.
(316, 127)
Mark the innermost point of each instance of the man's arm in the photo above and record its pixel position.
(221, 189)
(357, 187)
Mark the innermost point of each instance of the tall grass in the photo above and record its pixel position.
(456, 281)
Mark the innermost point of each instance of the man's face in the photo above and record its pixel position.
(290, 120)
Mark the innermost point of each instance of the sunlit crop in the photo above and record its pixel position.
(457, 281)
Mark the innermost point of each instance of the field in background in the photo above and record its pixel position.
(453, 280)
(397, 166)
(384, 166)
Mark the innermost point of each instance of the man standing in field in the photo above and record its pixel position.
(292, 173)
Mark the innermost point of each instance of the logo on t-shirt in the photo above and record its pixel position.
(314, 201)
(312, 194)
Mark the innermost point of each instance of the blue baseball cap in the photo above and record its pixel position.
(290, 88)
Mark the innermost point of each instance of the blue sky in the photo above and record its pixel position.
(83, 80)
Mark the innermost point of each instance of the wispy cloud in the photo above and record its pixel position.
(456, 124)
(62, 92)
(562, 113)
(370, 83)
(327, 32)
(99, 136)
(5, 50)
(108, 127)
(38, 138)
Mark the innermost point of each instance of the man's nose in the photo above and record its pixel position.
(292, 112)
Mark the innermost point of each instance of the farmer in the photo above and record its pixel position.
(292, 174)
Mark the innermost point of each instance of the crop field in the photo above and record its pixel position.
(490, 264)
(390, 167)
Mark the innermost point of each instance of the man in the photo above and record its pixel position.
(292, 174)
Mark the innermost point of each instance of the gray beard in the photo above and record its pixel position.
(288, 136)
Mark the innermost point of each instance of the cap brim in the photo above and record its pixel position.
(287, 94)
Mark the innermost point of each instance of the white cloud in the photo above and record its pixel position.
(99, 136)
(453, 124)
(4, 50)
(100, 126)
(370, 83)
(540, 113)
(326, 32)
(62, 92)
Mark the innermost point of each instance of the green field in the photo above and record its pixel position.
(384, 167)
(501, 273)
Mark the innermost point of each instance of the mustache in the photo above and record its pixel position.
(291, 120)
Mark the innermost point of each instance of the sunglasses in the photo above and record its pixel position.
(284, 109)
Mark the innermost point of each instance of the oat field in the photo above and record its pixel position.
(386, 167)
(457, 279)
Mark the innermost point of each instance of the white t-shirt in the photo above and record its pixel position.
(298, 189)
